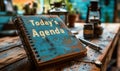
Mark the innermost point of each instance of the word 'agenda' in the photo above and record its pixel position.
(45, 33)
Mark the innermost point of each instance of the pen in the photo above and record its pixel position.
(93, 46)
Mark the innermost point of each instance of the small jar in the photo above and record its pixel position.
(88, 31)
(98, 30)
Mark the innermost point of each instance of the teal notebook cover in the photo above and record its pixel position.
(51, 40)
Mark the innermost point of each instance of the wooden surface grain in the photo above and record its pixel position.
(14, 59)
(11, 56)
(9, 42)
(118, 53)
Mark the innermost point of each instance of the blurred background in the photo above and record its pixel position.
(110, 9)
(108, 12)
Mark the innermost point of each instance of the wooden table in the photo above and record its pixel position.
(13, 58)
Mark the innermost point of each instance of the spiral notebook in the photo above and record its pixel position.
(47, 40)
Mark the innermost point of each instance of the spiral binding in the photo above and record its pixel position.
(39, 59)
(30, 41)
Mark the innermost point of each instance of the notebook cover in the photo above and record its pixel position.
(47, 40)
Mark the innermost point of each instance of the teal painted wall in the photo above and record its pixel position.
(107, 11)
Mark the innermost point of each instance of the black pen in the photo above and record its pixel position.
(92, 45)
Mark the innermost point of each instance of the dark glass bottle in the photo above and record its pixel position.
(88, 31)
